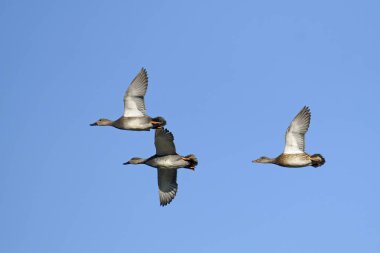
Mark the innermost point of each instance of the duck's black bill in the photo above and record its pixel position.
(93, 124)
(126, 163)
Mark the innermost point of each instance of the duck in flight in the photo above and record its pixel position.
(167, 161)
(135, 117)
(294, 154)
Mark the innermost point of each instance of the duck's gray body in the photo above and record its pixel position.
(134, 123)
(167, 162)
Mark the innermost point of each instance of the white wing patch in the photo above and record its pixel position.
(134, 105)
(295, 134)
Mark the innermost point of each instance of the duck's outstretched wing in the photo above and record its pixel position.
(164, 142)
(295, 134)
(167, 185)
(134, 105)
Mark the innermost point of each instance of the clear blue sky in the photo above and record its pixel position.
(228, 77)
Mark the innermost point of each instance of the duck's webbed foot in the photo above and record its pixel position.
(192, 161)
(156, 125)
(158, 122)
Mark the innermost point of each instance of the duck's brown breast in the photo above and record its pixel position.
(293, 160)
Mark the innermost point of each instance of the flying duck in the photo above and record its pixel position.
(135, 117)
(167, 161)
(294, 154)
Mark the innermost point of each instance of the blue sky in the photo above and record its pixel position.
(229, 77)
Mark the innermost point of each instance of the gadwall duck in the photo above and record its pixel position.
(134, 117)
(167, 161)
(294, 154)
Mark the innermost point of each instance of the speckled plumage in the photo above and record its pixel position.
(294, 153)
(293, 160)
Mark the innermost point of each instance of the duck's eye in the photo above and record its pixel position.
(100, 120)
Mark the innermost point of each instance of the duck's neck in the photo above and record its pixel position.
(110, 123)
(141, 161)
(106, 122)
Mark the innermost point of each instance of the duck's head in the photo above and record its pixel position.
(135, 160)
(102, 122)
(263, 159)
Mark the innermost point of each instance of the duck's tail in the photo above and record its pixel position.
(158, 122)
(193, 161)
(317, 160)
